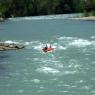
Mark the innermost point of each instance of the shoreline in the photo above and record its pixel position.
(2, 19)
(92, 18)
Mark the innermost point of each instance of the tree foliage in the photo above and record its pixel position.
(14, 8)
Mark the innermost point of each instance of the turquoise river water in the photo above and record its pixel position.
(68, 70)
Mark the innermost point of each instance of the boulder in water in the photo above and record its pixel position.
(7, 46)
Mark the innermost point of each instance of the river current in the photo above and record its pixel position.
(68, 70)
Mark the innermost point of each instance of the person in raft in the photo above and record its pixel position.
(46, 48)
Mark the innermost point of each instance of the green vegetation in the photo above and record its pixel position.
(14, 8)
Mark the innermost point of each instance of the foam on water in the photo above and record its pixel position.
(11, 42)
(77, 42)
(81, 43)
(69, 72)
(53, 64)
(20, 91)
(69, 69)
(65, 16)
(35, 80)
(48, 70)
(92, 37)
(62, 44)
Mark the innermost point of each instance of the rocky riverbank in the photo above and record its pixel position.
(1, 19)
(92, 18)
(7, 46)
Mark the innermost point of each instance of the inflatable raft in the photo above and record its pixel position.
(48, 49)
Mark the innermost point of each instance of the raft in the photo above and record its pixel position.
(48, 50)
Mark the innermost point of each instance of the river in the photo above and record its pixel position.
(68, 70)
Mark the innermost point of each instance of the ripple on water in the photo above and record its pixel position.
(69, 72)
(92, 37)
(20, 91)
(35, 80)
(93, 91)
(52, 64)
(76, 42)
(62, 44)
(86, 87)
(73, 63)
(80, 81)
(48, 70)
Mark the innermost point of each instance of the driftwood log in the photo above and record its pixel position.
(7, 46)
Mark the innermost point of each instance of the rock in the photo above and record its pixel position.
(1, 19)
(19, 46)
(6, 46)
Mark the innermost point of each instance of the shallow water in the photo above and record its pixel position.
(68, 70)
